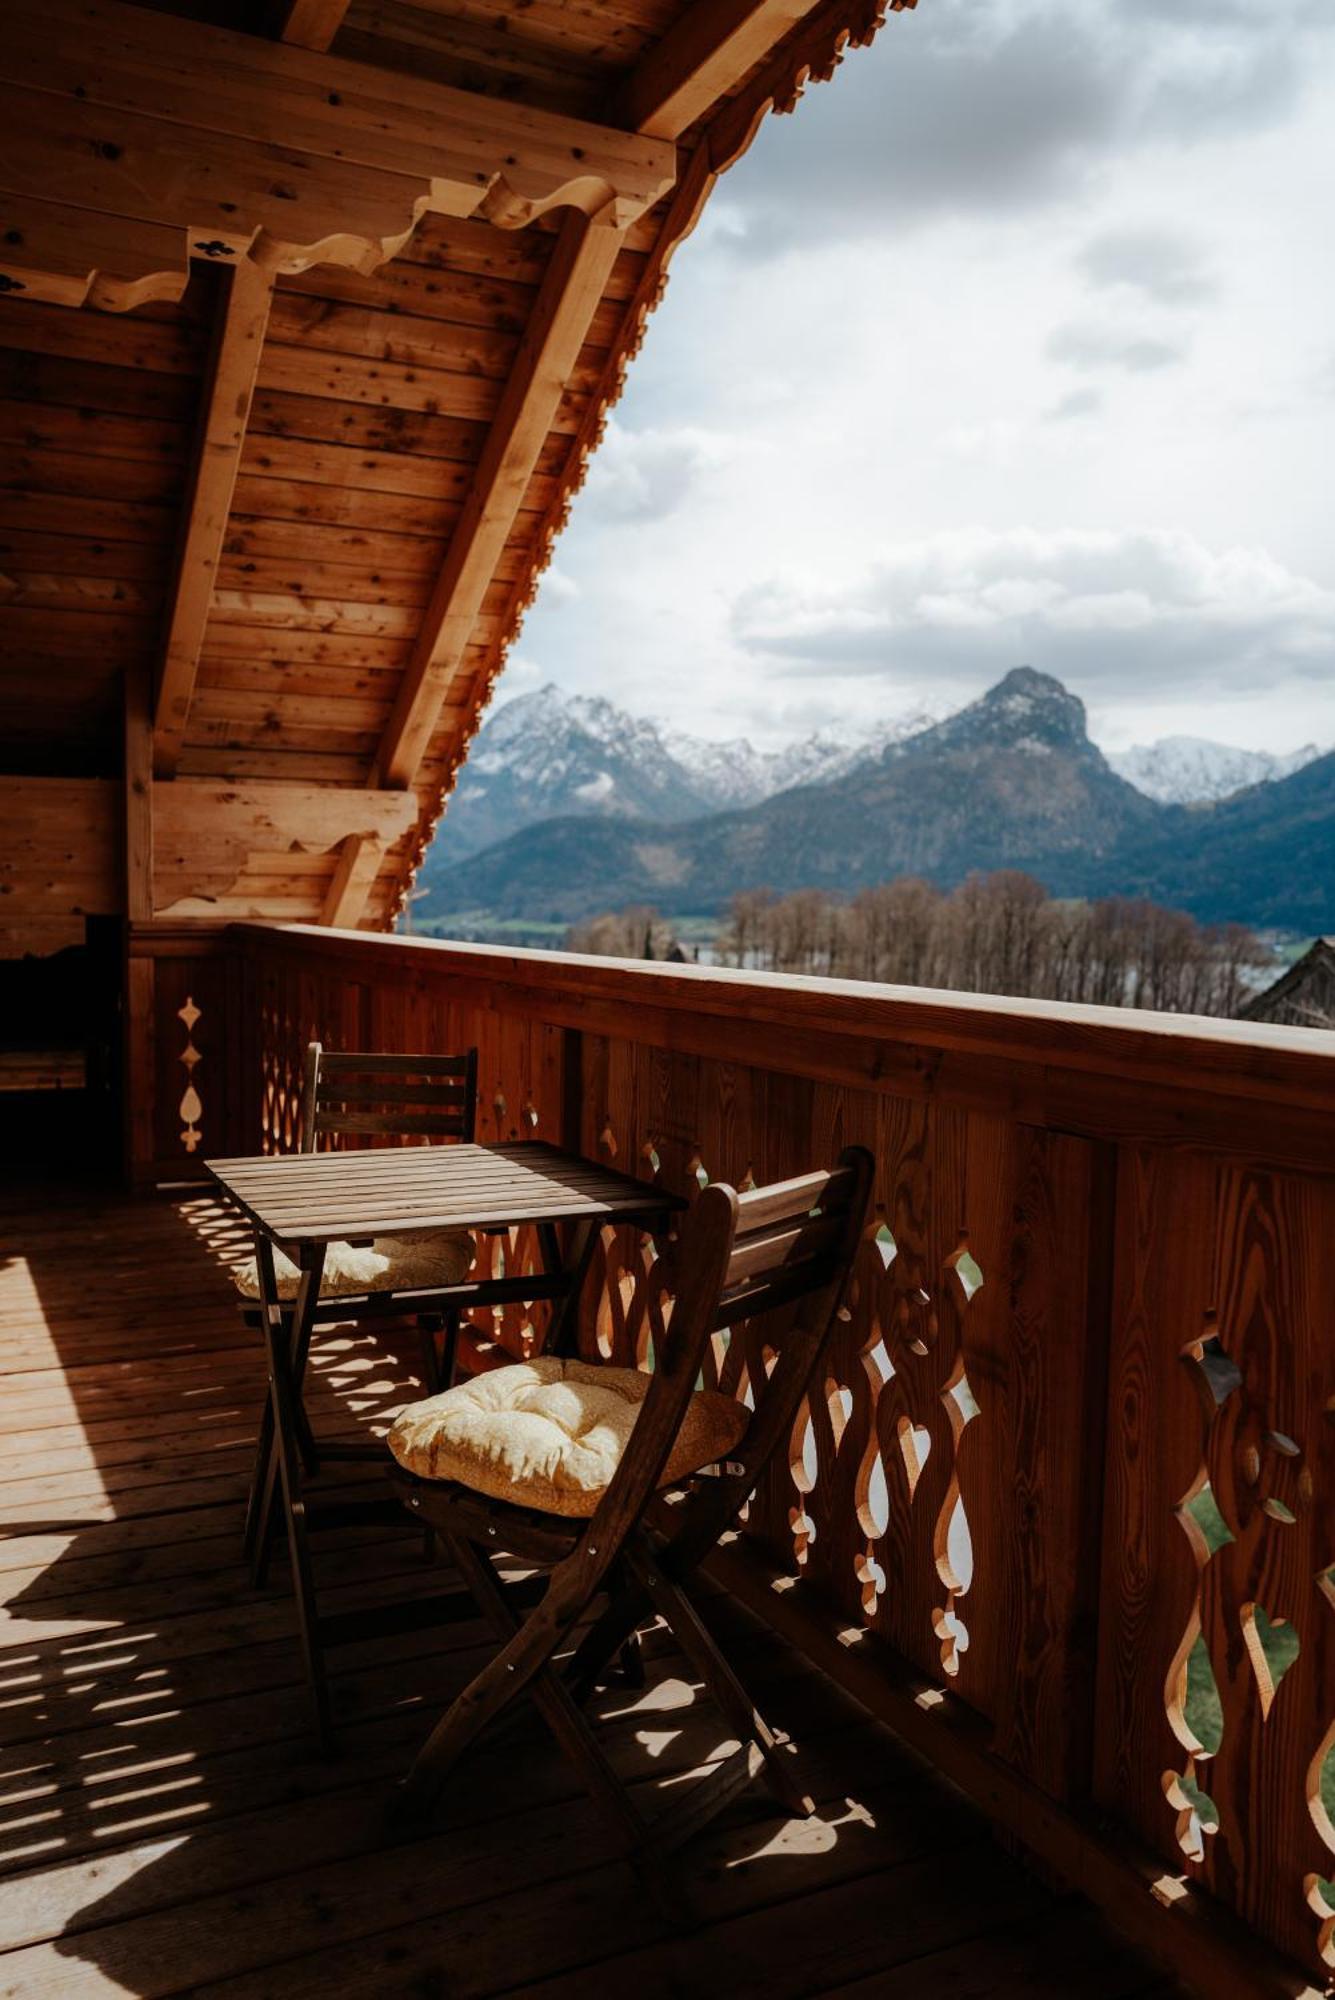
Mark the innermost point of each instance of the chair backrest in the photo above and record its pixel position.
(790, 1245)
(428, 1097)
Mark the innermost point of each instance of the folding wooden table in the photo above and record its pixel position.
(303, 1202)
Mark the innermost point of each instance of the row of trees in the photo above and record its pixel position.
(999, 933)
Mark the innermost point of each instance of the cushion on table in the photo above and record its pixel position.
(550, 1433)
(418, 1260)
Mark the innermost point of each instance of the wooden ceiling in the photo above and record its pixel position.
(312, 317)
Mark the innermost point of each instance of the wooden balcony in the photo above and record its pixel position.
(1053, 1529)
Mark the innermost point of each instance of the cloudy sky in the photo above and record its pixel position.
(1016, 343)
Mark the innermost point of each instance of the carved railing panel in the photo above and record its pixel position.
(1219, 1656)
(1070, 1453)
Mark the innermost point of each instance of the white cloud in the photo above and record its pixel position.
(1093, 349)
(1148, 178)
(1159, 264)
(1111, 612)
(559, 586)
(641, 475)
(1076, 403)
(1021, 103)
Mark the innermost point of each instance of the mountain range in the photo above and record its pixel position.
(1191, 770)
(619, 813)
(548, 754)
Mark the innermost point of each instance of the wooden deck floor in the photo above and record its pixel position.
(168, 1825)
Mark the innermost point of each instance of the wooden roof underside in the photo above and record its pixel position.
(295, 393)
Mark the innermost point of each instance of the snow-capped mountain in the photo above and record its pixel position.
(1191, 770)
(1011, 781)
(551, 755)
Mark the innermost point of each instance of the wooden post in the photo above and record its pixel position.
(137, 1017)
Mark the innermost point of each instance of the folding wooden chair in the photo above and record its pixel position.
(779, 1256)
(425, 1097)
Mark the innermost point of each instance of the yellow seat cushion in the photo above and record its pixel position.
(550, 1433)
(417, 1261)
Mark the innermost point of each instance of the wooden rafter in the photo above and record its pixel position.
(707, 52)
(262, 150)
(572, 288)
(312, 24)
(238, 344)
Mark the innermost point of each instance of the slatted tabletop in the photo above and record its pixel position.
(318, 1197)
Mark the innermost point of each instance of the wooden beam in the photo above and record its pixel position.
(313, 24)
(238, 344)
(359, 860)
(138, 795)
(572, 288)
(706, 53)
(86, 259)
(258, 149)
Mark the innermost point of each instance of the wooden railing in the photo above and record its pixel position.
(1060, 1508)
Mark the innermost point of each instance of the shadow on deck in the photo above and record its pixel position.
(168, 1824)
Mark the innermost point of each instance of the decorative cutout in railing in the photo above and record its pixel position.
(1236, 1604)
(190, 1108)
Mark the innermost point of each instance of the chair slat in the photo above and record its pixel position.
(775, 1248)
(774, 1289)
(391, 1092)
(782, 1200)
(333, 1063)
(427, 1124)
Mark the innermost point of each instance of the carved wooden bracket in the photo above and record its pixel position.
(206, 830)
(165, 140)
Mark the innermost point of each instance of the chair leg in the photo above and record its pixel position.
(698, 1643)
(554, 1704)
(605, 1640)
(449, 1358)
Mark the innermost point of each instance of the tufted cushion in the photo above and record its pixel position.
(417, 1261)
(550, 1433)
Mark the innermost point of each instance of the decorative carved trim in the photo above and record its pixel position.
(209, 143)
(207, 830)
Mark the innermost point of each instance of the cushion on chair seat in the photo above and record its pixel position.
(550, 1433)
(418, 1260)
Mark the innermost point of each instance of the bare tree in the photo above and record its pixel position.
(637, 932)
(998, 933)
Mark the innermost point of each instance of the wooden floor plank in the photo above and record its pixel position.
(168, 1824)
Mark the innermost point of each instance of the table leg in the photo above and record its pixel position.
(261, 1485)
(563, 1333)
(284, 1347)
(299, 1318)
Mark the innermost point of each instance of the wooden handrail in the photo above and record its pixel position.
(1059, 1067)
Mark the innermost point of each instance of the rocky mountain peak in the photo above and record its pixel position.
(1026, 710)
